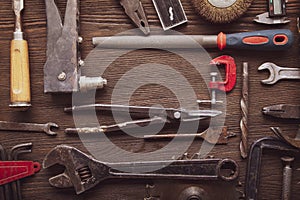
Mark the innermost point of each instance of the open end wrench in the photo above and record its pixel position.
(277, 73)
(29, 127)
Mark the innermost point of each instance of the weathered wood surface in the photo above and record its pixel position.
(106, 18)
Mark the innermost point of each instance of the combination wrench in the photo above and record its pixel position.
(29, 127)
(84, 172)
(278, 73)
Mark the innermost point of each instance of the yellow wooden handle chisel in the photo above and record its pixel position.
(19, 64)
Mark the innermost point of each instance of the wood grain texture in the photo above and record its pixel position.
(107, 18)
(20, 81)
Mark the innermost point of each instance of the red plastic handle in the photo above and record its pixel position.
(230, 70)
(14, 170)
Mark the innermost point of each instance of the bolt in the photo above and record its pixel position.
(62, 76)
(287, 177)
(177, 115)
(80, 39)
(81, 63)
(213, 91)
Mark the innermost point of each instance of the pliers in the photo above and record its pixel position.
(135, 11)
(160, 115)
(285, 111)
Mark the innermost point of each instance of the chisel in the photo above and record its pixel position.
(19, 63)
(277, 39)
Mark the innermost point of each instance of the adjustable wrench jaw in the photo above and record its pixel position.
(78, 169)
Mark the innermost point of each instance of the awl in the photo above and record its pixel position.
(276, 39)
(19, 63)
(284, 111)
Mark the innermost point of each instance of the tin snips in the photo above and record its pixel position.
(62, 68)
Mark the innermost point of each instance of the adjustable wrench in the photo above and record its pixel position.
(29, 127)
(277, 73)
(84, 172)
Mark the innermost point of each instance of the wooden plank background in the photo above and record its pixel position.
(107, 18)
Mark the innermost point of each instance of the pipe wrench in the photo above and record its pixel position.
(62, 68)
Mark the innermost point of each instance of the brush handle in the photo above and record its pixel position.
(277, 39)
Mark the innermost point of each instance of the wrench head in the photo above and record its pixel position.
(78, 168)
(273, 69)
(49, 128)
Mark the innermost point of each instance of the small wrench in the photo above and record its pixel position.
(277, 73)
(84, 172)
(29, 127)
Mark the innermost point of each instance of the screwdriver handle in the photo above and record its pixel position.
(276, 39)
(19, 74)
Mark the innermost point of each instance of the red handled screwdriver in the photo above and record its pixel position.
(276, 39)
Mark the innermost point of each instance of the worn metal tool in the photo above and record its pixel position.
(245, 112)
(84, 172)
(287, 177)
(62, 69)
(254, 162)
(230, 78)
(159, 115)
(265, 18)
(135, 11)
(19, 64)
(13, 155)
(182, 190)
(275, 15)
(6, 190)
(278, 73)
(170, 13)
(277, 39)
(213, 135)
(29, 127)
(295, 142)
(284, 111)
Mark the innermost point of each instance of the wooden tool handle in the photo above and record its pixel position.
(19, 75)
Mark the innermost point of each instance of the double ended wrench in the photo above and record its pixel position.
(278, 73)
(29, 127)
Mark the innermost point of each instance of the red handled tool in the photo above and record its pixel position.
(276, 39)
(14, 170)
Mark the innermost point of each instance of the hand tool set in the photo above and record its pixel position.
(192, 178)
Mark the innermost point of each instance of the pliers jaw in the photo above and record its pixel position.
(135, 11)
(284, 111)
